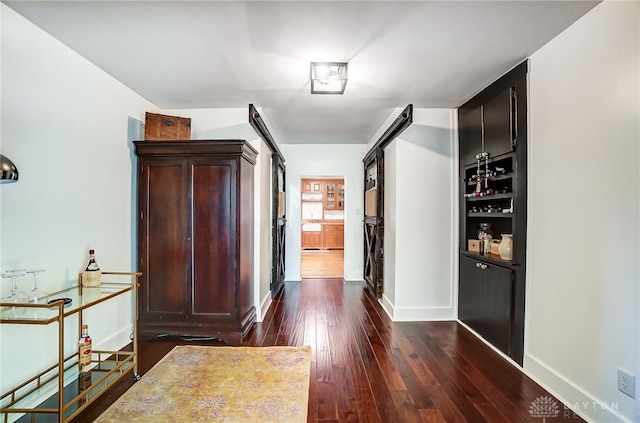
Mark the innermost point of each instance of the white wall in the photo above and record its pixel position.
(583, 299)
(231, 123)
(326, 160)
(420, 262)
(68, 127)
(390, 248)
(263, 245)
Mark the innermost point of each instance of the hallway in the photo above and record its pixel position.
(367, 369)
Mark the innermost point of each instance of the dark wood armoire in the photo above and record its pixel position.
(195, 238)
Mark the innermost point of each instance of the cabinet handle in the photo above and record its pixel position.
(484, 267)
(513, 118)
(479, 265)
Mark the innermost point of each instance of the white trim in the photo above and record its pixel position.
(416, 314)
(583, 404)
(264, 306)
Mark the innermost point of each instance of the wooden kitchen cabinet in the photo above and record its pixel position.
(333, 236)
(311, 239)
(334, 194)
(195, 238)
(312, 186)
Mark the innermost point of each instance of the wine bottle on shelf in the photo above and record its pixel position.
(84, 361)
(92, 274)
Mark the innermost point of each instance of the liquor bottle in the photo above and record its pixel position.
(84, 349)
(84, 360)
(92, 274)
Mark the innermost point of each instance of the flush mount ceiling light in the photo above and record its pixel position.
(328, 77)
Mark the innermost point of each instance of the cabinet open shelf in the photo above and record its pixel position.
(491, 258)
(54, 394)
(507, 195)
(496, 215)
(501, 177)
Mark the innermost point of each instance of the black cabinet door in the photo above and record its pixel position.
(489, 126)
(485, 300)
(496, 306)
(470, 133)
(498, 115)
(470, 293)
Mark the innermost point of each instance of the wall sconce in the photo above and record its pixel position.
(328, 77)
(9, 170)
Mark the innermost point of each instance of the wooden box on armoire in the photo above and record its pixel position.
(195, 238)
(164, 127)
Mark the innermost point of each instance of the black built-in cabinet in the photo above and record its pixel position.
(491, 295)
(488, 125)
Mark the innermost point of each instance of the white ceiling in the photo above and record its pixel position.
(219, 54)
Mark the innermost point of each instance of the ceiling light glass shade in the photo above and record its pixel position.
(328, 77)
(8, 169)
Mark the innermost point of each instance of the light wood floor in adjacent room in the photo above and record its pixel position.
(322, 263)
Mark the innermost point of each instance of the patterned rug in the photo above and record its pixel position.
(219, 384)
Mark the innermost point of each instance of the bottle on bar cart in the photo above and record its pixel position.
(92, 274)
(84, 360)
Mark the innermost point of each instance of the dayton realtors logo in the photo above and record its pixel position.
(544, 407)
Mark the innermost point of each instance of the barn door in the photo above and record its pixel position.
(374, 221)
(278, 224)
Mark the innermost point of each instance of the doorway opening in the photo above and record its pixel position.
(322, 227)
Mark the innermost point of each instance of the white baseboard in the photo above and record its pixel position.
(416, 314)
(354, 280)
(573, 398)
(299, 279)
(116, 341)
(264, 305)
(574, 402)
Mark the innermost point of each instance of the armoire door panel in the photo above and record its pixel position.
(166, 244)
(213, 241)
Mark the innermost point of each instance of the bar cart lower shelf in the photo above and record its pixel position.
(58, 393)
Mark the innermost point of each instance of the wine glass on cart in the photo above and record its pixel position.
(16, 295)
(37, 295)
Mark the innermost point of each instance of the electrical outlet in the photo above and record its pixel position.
(626, 383)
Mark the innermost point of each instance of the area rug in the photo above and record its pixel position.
(219, 384)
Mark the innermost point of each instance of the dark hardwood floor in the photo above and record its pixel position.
(367, 369)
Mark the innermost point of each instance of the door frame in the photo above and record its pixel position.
(278, 223)
(373, 226)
